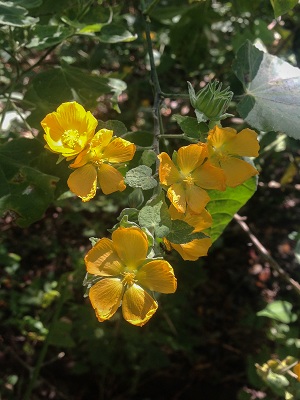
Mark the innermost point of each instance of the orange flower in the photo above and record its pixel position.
(127, 276)
(186, 183)
(94, 165)
(197, 247)
(69, 129)
(226, 146)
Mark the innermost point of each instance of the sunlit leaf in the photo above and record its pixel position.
(44, 36)
(224, 205)
(140, 177)
(272, 91)
(279, 310)
(13, 15)
(181, 233)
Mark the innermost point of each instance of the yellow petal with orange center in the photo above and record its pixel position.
(69, 129)
(177, 196)
(138, 306)
(237, 171)
(106, 296)
(193, 250)
(209, 177)
(191, 157)
(244, 144)
(168, 173)
(83, 182)
(110, 179)
(102, 259)
(158, 276)
(196, 198)
(131, 245)
(119, 150)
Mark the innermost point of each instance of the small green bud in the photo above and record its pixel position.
(211, 102)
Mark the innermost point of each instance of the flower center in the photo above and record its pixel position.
(128, 278)
(189, 180)
(71, 138)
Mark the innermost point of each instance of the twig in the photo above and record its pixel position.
(157, 124)
(265, 254)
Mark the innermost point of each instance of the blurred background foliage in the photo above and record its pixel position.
(211, 339)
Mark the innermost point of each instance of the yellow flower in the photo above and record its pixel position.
(194, 173)
(296, 370)
(198, 247)
(93, 165)
(69, 129)
(127, 276)
(226, 146)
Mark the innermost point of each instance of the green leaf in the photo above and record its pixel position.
(181, 233)
(14, 15)
(155, 218)
(282, 6)
(280, 311)
(116, 126)
(223, 205)
(148, 158)
(191, 127)
(44, 36)
(24, 191)
(60, 335)
(51, 88)
(114, 33)
(140, 177)
(272, 91)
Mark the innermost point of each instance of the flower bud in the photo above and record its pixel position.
(211, 102)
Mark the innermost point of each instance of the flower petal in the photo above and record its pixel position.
(177, 196)
(69, 129)
(119, 150)
(158, 276)
(110, 179)
(237, 171)
(196, 198)
(138, 306)
(190, 157)
(168, 173)
(101, 139)
(83, 182)
(193, 250)
(106, 296)
(218, 137)
(209, 177)
(131, 245)
(198, 221)
(244, 144)
(102, 259)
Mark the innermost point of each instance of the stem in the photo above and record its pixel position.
(44, 349)
(177, 136)
(265, 254)
(150, 7)
(157, 129)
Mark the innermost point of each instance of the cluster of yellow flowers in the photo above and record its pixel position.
(124, 267)
(70, 132)
(199, 167)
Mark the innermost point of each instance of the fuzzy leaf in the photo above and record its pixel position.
(272, 91)
(140, 177)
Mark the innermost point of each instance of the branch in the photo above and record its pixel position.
(157, 128)
(265, 254)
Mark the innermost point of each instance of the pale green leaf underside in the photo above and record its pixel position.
(272, 91)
